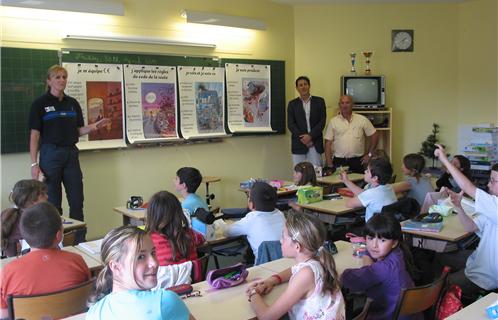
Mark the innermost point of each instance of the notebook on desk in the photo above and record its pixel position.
(92, 247)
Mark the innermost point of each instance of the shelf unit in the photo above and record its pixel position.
(382, 121)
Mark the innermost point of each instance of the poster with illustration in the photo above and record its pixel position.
(151, 103)
(202, 102)
(248, 97)
(99, 91)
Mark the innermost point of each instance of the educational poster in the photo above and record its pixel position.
(99, 90)
(248, 97)
(150, 103)
(202, 102)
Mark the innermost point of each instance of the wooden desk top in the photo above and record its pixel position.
(344, 259)
(476, 310)
(138, 214)
(335, 178)
(70, 224)
(210, 179)
(334, 206)
(92, 263)
(287, 189)
(452, 230)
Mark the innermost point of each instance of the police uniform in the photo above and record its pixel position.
(59, 123)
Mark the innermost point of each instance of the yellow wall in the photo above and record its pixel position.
(111, 176)
(450, 78)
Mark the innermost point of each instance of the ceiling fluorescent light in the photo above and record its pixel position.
(144, 40)
(222, 20)
(86, 6)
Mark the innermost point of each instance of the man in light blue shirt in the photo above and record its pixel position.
(186, 182)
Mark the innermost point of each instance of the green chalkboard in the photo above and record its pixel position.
(277, 69)
(23, 80)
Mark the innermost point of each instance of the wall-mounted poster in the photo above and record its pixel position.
(202, 102)
(99, 90)
(248, 97)
(151, 103)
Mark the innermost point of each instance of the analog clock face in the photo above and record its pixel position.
(402, 40)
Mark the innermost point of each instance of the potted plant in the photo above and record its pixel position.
(428, 147)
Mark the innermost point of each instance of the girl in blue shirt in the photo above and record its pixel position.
(122, 290)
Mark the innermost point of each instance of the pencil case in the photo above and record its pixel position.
(227, 277)
(181, 289)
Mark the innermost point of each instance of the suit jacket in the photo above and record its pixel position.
(296, 122)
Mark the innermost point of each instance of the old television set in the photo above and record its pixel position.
(368, 92)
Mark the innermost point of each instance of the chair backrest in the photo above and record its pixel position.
(403, 209)
(268, 251)
(364, 312)
(199, 268)
(69, 238)
(53, 305)
(418, 299)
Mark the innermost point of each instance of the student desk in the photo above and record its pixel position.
(452, 230)
(128, 214)
(327, 210)
(344, 259)
(335, 179)
(91, 262)
(232, 303)
(476, 310)
(288, 185)
(71, 224)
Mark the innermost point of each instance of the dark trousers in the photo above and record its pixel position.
(354, 164)
(60, 165)
(457, 261)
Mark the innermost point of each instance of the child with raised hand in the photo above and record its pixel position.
(379, 194)
(387, 268)
(475, 270)
(416, 184)
(313, 291)
(174, 240)
(446, 180)
(25, 194)
(122, 289)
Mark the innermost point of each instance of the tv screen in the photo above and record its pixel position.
(367, 91)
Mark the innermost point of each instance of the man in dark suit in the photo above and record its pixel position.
(306, 118)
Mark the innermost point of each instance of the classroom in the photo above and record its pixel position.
(450, 78)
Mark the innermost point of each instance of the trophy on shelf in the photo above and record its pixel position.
(367, 55)
(353, 60)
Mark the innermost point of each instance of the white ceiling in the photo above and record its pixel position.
(360, 1)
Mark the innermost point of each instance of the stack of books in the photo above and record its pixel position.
(410, 225)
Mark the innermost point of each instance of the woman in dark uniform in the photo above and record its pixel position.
(56, 122)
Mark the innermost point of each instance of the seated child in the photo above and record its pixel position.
(46, 268)
(264, 222)
(446, 180)
(417, 184)
(380, 194)
(174, 240)
(304, 175)
(122, 290)
(186, 182)
(313, 291)
(387, 268)
(474, 270)
(24, 194)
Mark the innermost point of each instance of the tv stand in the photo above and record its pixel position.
(382, 121)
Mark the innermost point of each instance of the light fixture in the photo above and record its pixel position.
(86, 6)
(222, 20)
(144, 40)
